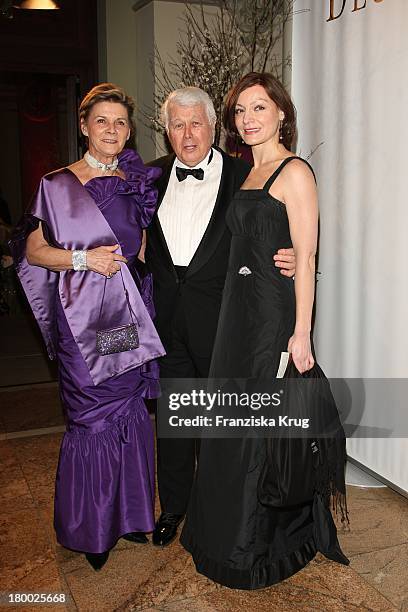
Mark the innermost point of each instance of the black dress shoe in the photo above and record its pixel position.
(97, 560)
(166, 528)
(136, 536)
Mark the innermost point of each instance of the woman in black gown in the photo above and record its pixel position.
(234, 538)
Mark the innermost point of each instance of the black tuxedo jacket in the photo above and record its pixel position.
(200, 292)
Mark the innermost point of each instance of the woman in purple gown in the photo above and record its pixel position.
(76, 255)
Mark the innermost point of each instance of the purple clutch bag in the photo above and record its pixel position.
(117, 339)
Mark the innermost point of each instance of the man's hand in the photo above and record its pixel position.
(285, 260)
(6, 261)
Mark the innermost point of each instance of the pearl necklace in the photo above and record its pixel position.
(94, 163)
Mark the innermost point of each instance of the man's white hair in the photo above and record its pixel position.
(188, 96)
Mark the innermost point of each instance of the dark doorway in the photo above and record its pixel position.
(48, 60)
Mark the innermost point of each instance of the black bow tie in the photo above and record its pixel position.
(183, 173)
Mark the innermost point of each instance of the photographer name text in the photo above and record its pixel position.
(220, 421)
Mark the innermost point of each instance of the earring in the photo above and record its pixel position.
(280, 130)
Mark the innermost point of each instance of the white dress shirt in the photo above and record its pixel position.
(187, 207)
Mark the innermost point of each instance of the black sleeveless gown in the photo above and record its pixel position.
(235, 540)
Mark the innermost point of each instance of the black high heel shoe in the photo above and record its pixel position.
(97, 560)
(138, 537)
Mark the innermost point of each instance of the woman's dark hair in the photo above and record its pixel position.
(275, 91)
(107, 92)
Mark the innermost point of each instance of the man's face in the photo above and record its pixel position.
(190, 133)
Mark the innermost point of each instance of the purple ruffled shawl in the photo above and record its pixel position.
(72, 220)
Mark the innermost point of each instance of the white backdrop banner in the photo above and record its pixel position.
(350, 61)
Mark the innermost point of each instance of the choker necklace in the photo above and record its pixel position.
(94, 163)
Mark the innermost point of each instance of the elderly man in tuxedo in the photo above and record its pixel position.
(187, 251)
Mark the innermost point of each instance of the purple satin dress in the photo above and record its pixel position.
(105, 478)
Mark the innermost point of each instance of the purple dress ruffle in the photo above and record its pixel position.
(105, 478)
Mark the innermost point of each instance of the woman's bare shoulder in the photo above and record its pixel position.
(297, 169)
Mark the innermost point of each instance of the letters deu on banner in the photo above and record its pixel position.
(336, 7)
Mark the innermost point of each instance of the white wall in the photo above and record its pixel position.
(126, 42)
(127, 36)
(168, 29)
(145, 37)
(121, 47)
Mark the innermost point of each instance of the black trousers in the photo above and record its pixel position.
(176, 458)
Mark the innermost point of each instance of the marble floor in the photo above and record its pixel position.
(142, 577)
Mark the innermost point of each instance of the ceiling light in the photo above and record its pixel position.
(37, 4)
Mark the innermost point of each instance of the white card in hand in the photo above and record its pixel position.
(283, 364)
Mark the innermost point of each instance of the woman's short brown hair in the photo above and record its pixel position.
(275, 91)
(107, 92)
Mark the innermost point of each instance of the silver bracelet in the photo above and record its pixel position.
(79, 261)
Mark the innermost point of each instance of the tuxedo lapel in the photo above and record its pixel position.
(156, 234)
(216, 225)
(164, 178)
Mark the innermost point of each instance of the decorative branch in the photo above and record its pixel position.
(214, 51)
